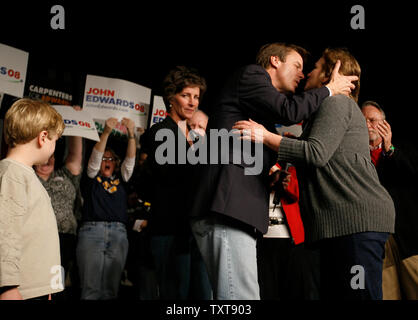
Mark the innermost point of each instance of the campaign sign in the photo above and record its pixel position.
(119, 130)
(47, 94)
(108, 97)
(77, 123)
(13, 65)
(159, 111)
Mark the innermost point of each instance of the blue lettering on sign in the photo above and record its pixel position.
(10, 72)
(76, 123)
(108, 100)
(117, 102)
(157, 119)
(73, 122)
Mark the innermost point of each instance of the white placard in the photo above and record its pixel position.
(77, 123)
(295, 129)
(13, 66)
(159, 111)
(108, 97)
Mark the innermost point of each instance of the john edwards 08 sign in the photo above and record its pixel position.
(108, 97)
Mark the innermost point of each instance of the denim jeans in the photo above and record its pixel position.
(230, 255)
(180, 269)
(101, 254)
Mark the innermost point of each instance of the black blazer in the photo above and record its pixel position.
(223, 188)
(399, 175)
(167, 184)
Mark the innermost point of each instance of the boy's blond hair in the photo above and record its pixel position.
(26, 118)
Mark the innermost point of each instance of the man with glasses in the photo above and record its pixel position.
(398, 173)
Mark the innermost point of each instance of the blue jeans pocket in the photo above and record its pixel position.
(201, 227)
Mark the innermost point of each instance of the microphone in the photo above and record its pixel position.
(279, 184)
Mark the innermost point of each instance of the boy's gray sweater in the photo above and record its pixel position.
(340, 192)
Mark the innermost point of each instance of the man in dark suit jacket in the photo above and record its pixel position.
(230, 207)
(398, 172)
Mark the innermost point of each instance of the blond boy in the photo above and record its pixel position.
(29, 243)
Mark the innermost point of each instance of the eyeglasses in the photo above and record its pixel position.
(107, 159)
(373, 121)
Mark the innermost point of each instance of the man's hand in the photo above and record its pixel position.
(385, 132)
(144, 224)
(286, 180)
(251, 130)
(274, 176)
(289, 135)
(340, 84)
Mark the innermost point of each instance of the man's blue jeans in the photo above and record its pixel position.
(229, 253)
(101, 254)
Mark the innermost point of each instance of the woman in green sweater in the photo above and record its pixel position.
(345, 209)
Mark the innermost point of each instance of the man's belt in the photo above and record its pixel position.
(275, 221)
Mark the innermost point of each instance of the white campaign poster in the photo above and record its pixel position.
(77, 123)
(1, 98)
(159, 111)
(13, 66)
(109, 97)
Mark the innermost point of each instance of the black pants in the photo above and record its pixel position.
(351, 266)
(68, 244)
(286, 271)
(273, 267)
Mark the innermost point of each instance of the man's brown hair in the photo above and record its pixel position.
(280, 50)
(349, 66)
(26, 118)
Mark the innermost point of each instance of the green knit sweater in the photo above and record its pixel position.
(340, 192)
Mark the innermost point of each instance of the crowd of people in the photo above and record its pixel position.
(330, 216)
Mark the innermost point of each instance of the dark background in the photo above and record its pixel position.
(140, 41)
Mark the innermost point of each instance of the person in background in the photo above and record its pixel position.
(102, 240)
(397, 168)
(180, 269)
(286, 269)
(63, 186)
(198, 122)
(273, 249)
(29, 243)
(140, 263)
